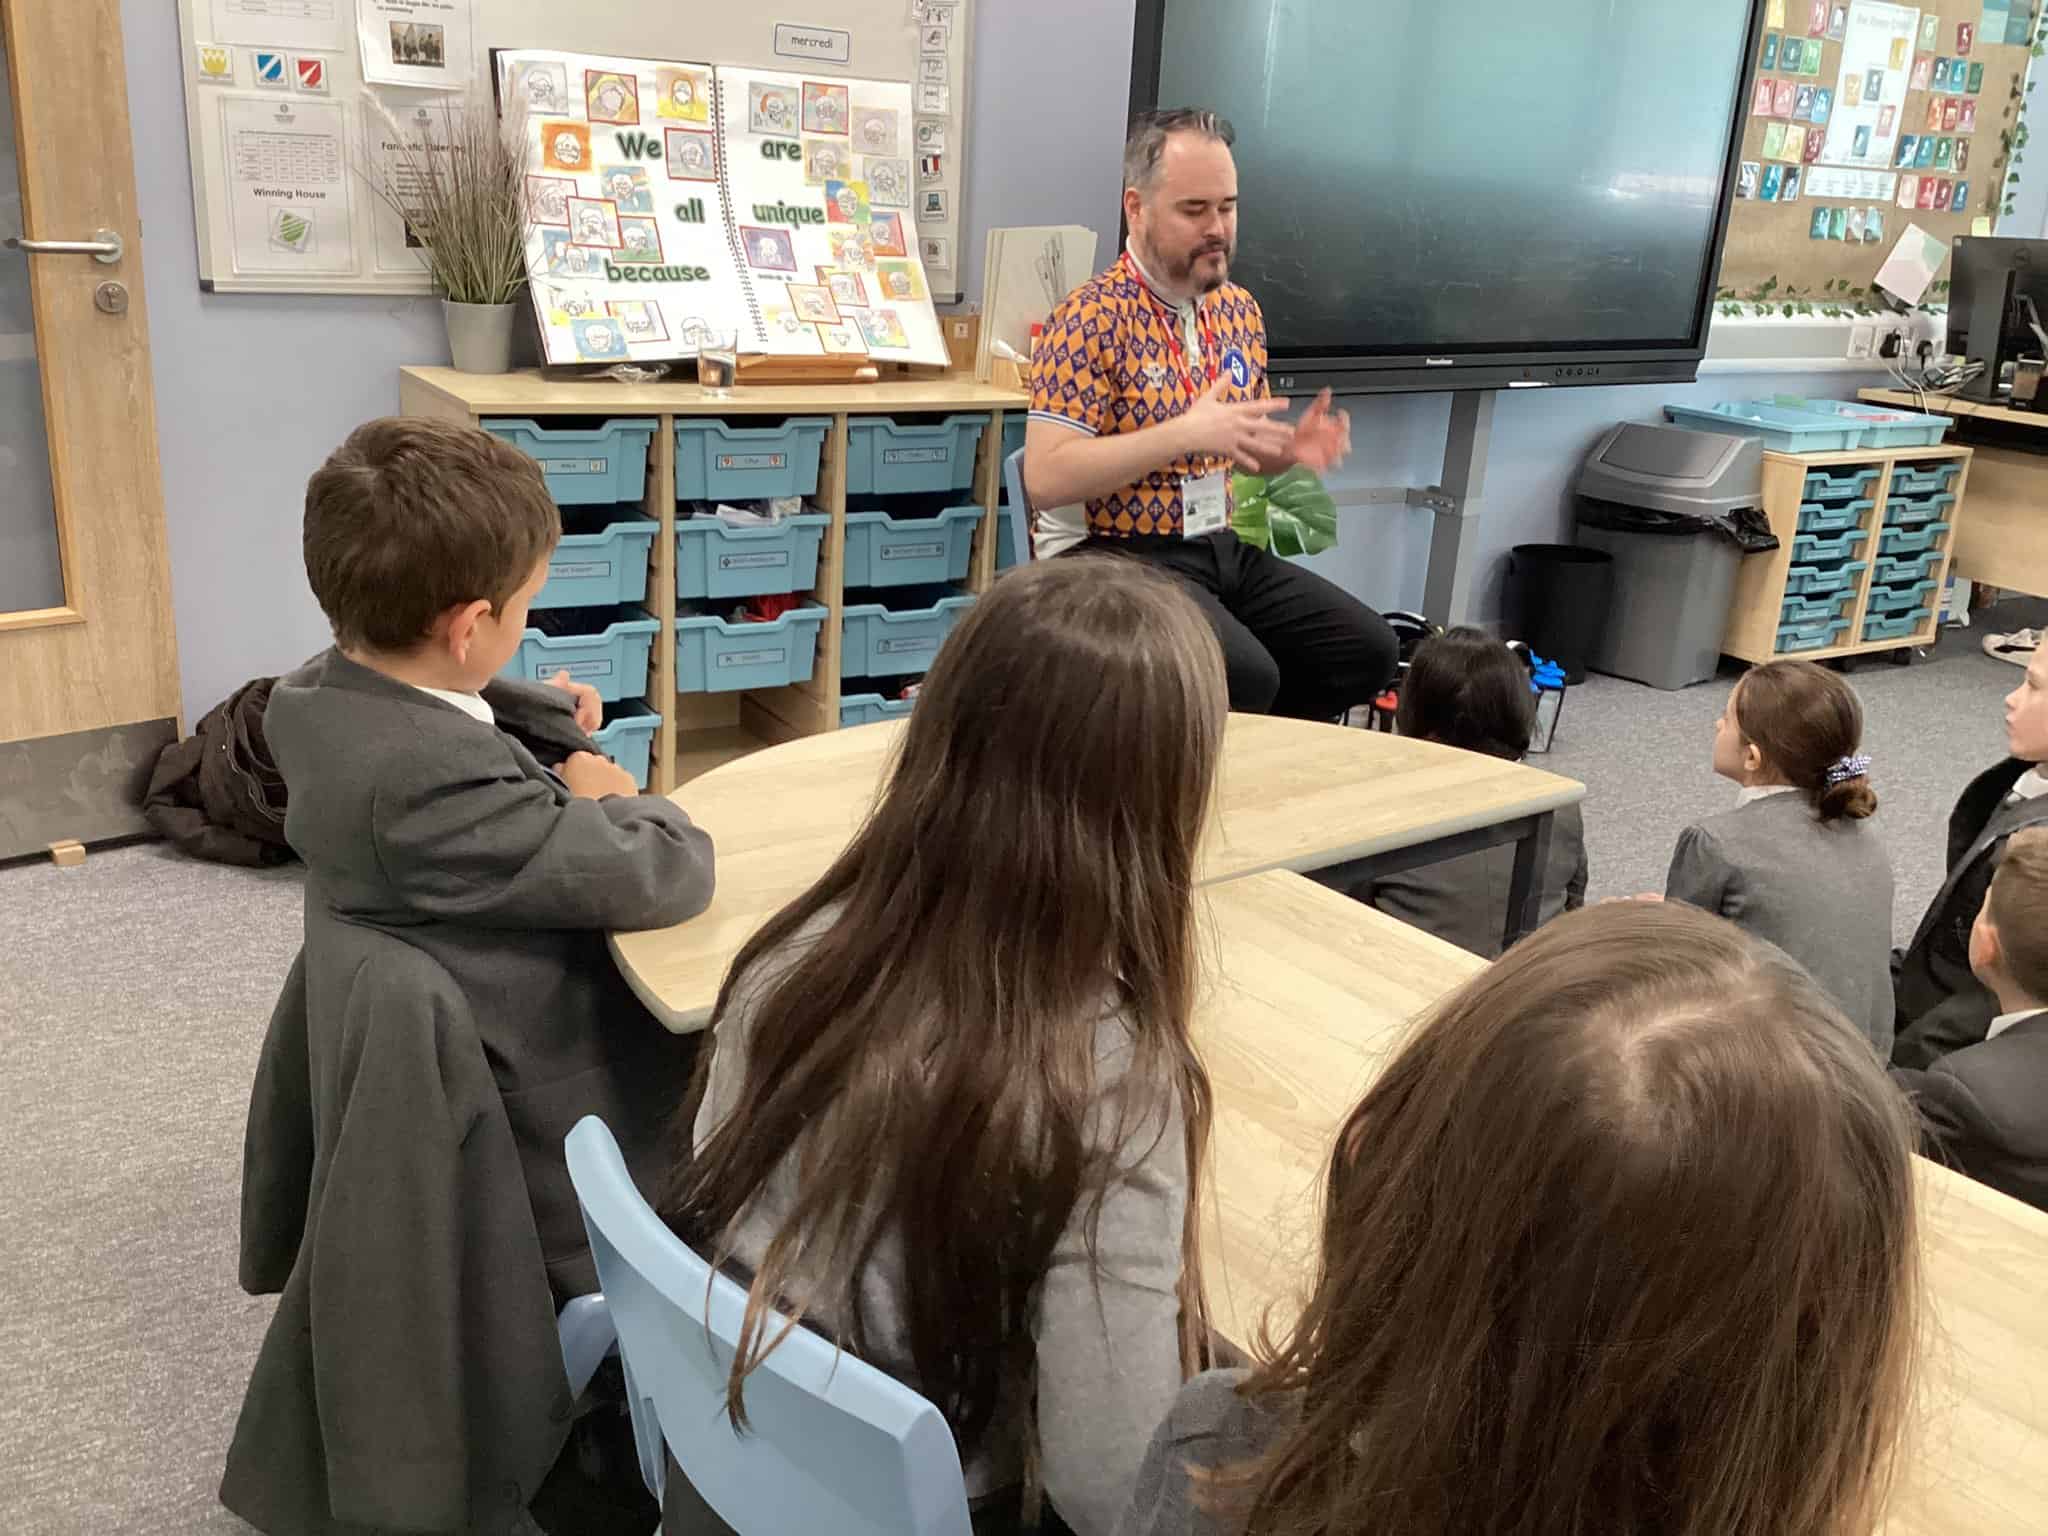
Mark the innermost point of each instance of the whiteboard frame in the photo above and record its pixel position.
(884, 45)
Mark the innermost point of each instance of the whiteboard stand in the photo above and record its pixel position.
(1453, 545)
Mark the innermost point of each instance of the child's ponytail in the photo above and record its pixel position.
(1808, 724)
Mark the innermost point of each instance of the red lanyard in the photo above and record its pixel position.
(1171, 322)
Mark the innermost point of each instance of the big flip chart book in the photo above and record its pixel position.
(674, 204)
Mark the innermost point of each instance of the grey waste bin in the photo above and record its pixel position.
(1663, 502)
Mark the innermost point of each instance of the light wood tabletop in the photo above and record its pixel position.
(1314, 994)
(1291, 794)
(525, 391)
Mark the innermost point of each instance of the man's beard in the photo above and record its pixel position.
(1182, 273)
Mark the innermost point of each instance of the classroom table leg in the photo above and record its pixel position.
(1525, 886)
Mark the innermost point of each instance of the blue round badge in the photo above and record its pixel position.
(1239, 370)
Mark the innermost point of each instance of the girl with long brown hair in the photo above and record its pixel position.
(1622, 1243)
(951, 1108)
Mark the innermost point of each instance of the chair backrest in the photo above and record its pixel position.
(1020, 550)
(833, 1444)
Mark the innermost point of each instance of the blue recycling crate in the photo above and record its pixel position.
(1911, 541)
(716, 559)
(887, 551)
(1824, 578)
(1010, 549)
(1879, 627)
(889, 458)
(715, 655)
(871, 708)
(1899, 599)
(607, 648)
(584, 466)
(1810, 547)
(1814, 517)
(627, 738)
(1847, 486)
(1782, 429)
(1923, 479)
(717, 461)
(881, 641)
(1810, 610)
(1815, 636)
(1913, 511)
(1892, 572)
(594, 570)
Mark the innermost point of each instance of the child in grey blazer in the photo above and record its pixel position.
(1795, 862)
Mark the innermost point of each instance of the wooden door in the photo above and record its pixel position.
(88, 653)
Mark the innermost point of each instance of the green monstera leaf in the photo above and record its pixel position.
(1290, 514)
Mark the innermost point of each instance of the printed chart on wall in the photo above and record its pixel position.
(289, 202)
(1870, 90)
(674, 205)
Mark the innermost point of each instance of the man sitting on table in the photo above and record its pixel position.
(1149, 385)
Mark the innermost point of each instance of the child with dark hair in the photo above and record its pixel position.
(1794, 862)
(1466, 689)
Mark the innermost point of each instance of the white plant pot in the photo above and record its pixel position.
(479, 335)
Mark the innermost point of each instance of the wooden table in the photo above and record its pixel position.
(1292, 794)
(1317, 991)
(2002, 537)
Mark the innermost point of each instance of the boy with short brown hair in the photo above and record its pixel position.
(1985, 1108)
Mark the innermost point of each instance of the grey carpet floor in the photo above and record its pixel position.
(134, 992)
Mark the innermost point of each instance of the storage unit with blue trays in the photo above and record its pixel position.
(1863, 537)
(589, 620)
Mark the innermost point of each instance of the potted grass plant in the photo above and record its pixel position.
(456, 175)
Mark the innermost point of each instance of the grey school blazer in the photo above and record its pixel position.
(1464, 900)
(1820, 891)
(1984, 1110)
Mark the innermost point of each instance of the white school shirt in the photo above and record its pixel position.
(2006, 1021)
(471, 704)
(1762, 792)
(2030, 785)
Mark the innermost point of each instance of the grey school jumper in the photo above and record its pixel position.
(1820, 891)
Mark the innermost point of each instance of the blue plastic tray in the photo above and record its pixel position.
(592, 570)
(1819, 580)
(1883, 426)
(1009, 551)
(1899, 599)
(627, 738)
(887, 551)
(870, 708)
(1922, 479)
(1783, 429)
(584, 466)
(718, 461)
(715, 560)
(1891, 572)
(715, 655)
(1817, 518)
(1811, 610)
(1877, 627)
(1816, 636)
(1807, 548)
(889, 458)
(1847, 486)
(1911, 541)
(607, 648)
(884, 641)
(1912, 511)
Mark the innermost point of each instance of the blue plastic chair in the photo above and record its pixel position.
(833, 1444)
(1020, 507)
(587, 1335)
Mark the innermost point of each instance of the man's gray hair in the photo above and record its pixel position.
(1146, 142)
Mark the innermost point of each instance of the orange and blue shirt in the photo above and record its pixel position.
(1111, 359)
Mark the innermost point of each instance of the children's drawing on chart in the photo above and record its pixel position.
(853, 248)
(824, 107)
(770, 250)
(824, 160)
(875, 130)
(611, 96)
(547, 199)
(566, 306)
(543, 87)
(898, 281)
(771, 108)
(600, 340)
(627, 186)
(886, 230)
(683, 94)
(291, 232)
(813, 303)
(783, 323)
(639, 240)
(639, 319)
(846, 202)
(594, 221)
(846, 287)
(565, 146)
(882, 328)
(694, 332)
(888, 181)
(844, 338)
(563, 258)
(691, 155)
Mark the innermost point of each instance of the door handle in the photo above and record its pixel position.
(105, 246)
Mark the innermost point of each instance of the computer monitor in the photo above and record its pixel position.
(1997, 307)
